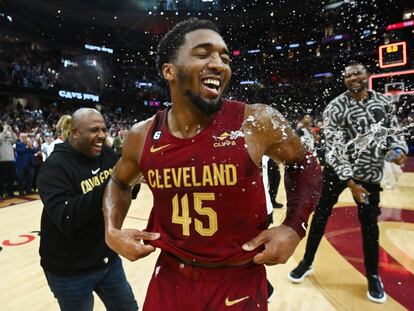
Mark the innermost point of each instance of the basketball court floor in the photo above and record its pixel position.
(337, 283)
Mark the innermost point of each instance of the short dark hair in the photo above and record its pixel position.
(356, 63)
(168, 46)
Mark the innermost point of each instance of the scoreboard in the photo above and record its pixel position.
(392, 55)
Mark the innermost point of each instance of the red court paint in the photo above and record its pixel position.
(398, 281)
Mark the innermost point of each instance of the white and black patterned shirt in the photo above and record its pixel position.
(358, 133)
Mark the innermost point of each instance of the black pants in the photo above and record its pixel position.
(273, 174)
(367, 214)
(25, 179)
(7, 177)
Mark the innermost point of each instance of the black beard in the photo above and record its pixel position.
(208, 107)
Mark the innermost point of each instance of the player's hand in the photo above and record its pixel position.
(279, 242)
(128, 242)
(401, 159)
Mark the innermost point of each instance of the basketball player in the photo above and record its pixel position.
(74, 256)
(352, 113)
(201, 160)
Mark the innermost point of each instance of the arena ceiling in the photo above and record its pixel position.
(149, 13)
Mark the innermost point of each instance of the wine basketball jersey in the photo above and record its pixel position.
(208, 193)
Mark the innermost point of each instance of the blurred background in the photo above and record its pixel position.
(56, 56)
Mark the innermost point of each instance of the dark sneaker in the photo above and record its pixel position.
(277, 205)
(298, 274)
(376, 289)
(270, 292)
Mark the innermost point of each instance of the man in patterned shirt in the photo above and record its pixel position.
(358, 125)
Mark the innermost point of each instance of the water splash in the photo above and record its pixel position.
(377, 134)
(284, 134)
(249, 119)
(276, 119)
(236, 134)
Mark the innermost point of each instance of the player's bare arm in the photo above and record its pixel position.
(117, 199)
(270, 134)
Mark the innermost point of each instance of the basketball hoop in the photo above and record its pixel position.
(394, 95)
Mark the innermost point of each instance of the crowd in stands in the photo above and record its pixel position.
(48, 52)
(29, 135)
(283, 84)
(40, 51)
(25, 65)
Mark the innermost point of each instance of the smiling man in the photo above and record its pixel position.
(352, 114)
(201, 159)
(74, 256)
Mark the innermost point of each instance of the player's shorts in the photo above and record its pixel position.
(177, 286)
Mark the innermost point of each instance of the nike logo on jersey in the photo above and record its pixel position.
(153, 149)
(230, 303)
(95, 171)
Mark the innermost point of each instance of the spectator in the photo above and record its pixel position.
(25, 163)
(7, 158)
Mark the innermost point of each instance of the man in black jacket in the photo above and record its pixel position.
(74, 256)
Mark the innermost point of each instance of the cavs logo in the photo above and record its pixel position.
(227, 139)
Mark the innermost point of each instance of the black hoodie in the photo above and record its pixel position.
(71, 187)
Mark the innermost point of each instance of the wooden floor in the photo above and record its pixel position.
(335, 284)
